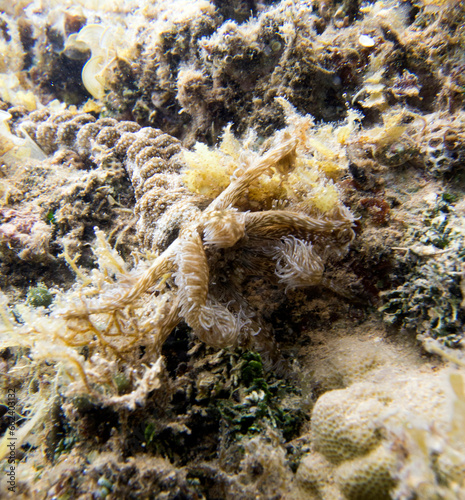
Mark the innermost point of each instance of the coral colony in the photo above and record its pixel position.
(232, 250)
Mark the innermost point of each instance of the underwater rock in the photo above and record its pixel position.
(231, 248)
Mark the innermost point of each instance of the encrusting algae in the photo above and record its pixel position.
(231, 250)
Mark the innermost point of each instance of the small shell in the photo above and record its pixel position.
(366, 41)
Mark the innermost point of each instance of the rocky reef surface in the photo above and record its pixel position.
(232, 249)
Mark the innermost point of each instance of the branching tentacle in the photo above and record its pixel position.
(223, 228)
(240, 187)
(211, 322)
(298, 264)
(279, 223)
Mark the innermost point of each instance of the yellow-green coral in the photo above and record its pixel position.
(320, 160)
(208, 170)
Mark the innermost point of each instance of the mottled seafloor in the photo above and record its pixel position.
(232, 249)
